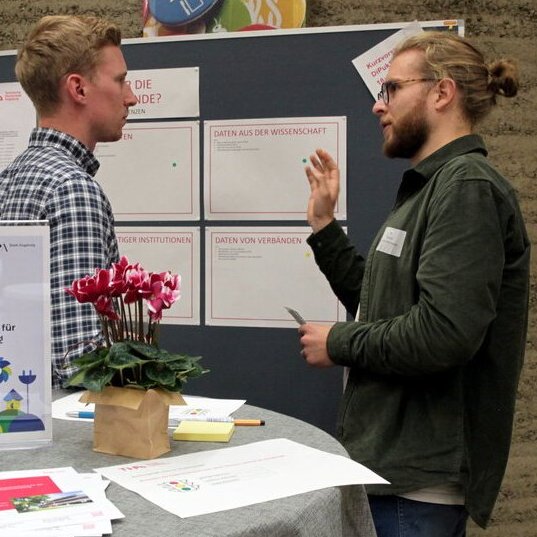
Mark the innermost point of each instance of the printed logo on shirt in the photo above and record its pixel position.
(392, 241)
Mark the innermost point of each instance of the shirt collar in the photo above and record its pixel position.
(471, 143)
(415, 178)
(66, 143)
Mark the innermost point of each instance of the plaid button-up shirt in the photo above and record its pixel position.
(53, 180)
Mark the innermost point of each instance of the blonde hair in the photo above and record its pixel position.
(59, 45)
(446, 55)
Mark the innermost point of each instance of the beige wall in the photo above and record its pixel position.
(500, 28)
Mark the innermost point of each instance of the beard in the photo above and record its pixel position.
(409, 134)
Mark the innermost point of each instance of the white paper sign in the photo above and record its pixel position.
(165, 93)
(18, 118)
(25, 384)
(252, 273)
(159, 249)
(152, 173)
(373, 64)
(220, 479)
(254, 168)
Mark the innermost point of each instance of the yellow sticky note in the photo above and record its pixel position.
(204, 431)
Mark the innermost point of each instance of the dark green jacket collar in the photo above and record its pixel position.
(416, 178)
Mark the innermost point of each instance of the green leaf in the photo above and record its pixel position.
(144, 350)
(91, 358)
(159, 373)
(96, 380)
(134, 363)
(185, 357)
(146, 384)
(77, 379)
(92, 378)
(121, 357)
(178, 386)
(179, 362)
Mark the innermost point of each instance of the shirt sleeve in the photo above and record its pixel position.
(82, 239)
(339, 262)
(458, 277)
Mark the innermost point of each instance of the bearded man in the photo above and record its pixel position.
(435, 354)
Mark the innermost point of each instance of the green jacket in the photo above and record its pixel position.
(436, 357)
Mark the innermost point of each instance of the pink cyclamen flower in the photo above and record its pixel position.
(173, 281)
(90, 288)
(162, 298)
(105, 306)
(118, 284)
(119, 268)
(138, 283)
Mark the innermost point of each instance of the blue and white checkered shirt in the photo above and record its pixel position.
(53, 180)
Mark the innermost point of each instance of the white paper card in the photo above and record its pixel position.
(392, 241)
(373, 64)
(165, 93)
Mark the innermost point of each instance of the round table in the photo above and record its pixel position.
(331, 512)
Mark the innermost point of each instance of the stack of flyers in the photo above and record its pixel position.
(54, 502)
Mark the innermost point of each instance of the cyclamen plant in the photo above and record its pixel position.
(130, 355)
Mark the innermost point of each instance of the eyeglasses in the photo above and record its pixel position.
(391, 86)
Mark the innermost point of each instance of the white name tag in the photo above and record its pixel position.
(392, 241)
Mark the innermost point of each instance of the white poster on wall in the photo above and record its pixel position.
(160, 249)
(252, 273)
(152, 173)
(18, 118)
(254, 168)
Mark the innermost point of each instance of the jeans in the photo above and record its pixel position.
(398, 517)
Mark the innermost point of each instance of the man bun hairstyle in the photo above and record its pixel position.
(503, 77)
(447, 55)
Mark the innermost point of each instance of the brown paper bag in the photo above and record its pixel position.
(131, 422)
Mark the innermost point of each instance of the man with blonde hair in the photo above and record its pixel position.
(435, 355)
(74, 72)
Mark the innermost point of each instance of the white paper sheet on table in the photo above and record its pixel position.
(221, 479)
(195, 406)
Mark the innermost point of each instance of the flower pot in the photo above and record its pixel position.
(131, 422)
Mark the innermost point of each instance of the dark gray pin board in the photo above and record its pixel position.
(276, 74)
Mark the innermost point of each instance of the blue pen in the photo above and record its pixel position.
(81, 414)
